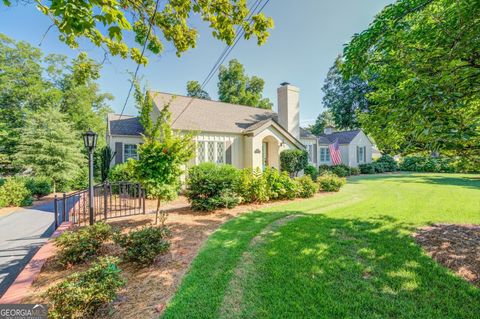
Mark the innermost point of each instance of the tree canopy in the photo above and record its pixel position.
(324, 119)
(49, 146)
(234, 86)
(194, 89)
(31, 82)
(422, 60)
(344, 97)
(107, 23)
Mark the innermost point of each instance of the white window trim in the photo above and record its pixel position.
(125, 158)
(327, 152)
(361, 157)
(215, 152)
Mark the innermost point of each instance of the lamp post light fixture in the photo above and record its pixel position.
(90, 142)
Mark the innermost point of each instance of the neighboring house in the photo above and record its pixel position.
(227, 133)
(355, 147)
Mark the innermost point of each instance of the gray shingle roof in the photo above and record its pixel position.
(210, 116)
(344, 137)
(306, 134)
(126, 125)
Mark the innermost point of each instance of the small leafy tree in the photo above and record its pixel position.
(49, 146)
(293, 161)
(106, 159)
(163, 154)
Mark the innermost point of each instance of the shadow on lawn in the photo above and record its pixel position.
(316, 266)
(353, 268)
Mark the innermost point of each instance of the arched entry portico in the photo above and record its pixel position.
(270, 152)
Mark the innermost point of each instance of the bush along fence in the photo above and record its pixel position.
(110, 200)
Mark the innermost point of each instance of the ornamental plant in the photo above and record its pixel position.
(78, 245)
(143, 246)
(163, 154)
(306, 186)
(330, 182)
(293, 161)
(82, 293)
(210, 186)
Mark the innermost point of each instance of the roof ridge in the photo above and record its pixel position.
(215, 101)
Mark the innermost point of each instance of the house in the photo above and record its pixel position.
(227, 133)
(355, 146)
(240, 135)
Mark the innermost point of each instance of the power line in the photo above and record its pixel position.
(222, 57)
(150, 25)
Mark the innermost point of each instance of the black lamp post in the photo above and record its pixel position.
(90, 141)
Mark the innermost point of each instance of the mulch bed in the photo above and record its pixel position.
(454, 246)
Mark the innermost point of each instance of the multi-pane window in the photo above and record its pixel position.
(220, 152)
(324, 154)
(200, 152)
(210, 151)
(310, 152)
(129, 151)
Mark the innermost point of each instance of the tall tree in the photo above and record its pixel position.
(422, 59)
(234, 86)
(104, 23)
(345, 98)
(50, 147)
(22, 89)
(83, 103)
(324, 119)
(194, 89)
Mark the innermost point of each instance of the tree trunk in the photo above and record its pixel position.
(158, 210)
(54, 187)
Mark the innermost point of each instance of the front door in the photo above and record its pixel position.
(264, 155)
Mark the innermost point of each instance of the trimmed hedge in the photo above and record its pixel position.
(312, 171)
(388, 163)
(211, 186)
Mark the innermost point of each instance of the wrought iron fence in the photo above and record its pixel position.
(110, 200)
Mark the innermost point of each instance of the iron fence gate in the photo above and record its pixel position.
(110, 200)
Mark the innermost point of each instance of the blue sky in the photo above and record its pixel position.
(307, 37)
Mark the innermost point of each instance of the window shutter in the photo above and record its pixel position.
(364, 154)
(118, 152)
(315, 153)
(358, 155)
(228, 152)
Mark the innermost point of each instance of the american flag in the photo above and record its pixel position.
(335, 152)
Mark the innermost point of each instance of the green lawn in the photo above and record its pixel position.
(348, 255)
